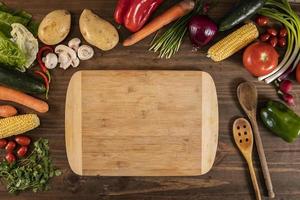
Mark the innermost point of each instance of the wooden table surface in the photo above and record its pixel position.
(229, 178)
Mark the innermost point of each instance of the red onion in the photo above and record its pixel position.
(202, 30)
(289, 99)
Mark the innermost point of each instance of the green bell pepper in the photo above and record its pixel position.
(281, 120)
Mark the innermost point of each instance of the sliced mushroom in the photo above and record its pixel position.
(75, 63)
(74, 43)
(50, 60)
(85, 52)
(66, 56)
(65, 60)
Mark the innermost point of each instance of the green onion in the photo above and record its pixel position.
(282, 12)
(170, 41)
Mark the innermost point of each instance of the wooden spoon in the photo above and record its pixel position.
(247, 95)
(243, 138)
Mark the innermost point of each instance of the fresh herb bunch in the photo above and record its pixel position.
(170, 41)
(33, 172)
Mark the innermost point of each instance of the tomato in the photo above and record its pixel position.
(22, 140)
(3, 143)
(22, 151)
(283, 32)
(298, 73)
(10, 157)
(265, 37)
(273, 41)
(262, 20)
(11, 145)
(272, 31)
(260, 58)
(282, 42)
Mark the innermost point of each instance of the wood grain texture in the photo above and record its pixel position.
(141, 123)
(229, 178)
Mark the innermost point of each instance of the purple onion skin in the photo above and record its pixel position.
(202, 30)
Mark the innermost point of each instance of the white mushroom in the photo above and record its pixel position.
(85, 52)
(75, 63)
(65, 60)
(66, 56)
(74, 43)
(50, 60)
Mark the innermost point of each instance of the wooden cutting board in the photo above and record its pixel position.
(141, 123)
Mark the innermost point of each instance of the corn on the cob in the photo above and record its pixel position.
(17, 125)
(233, 42)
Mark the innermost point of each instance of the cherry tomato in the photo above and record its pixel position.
(283, 32)
(10, 157)
(298, 73)
(273, 41)
(260, 58)
(3, 143)
(11, 145)
(272, 31)
(22, 151)
(282, 42)
(262, 20)
(22, 140)
(265, 37)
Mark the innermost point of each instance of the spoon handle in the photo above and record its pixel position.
(254, 180)
(262, 157)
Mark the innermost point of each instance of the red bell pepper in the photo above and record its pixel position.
(133, 14)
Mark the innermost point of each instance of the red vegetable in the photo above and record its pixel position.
(45, 79)
(282, 42)
(22, 140)
(273, 41)
(262, 20)
(10, 157)
(260, 59)
(44, 50)
(11, 145)
(135, 13)
(22, 151)
(3, 143)
(298, 73)
(272, 31)
(286, 86)
(283, 32)
(265, 37)
(202, 30)
(289, 99)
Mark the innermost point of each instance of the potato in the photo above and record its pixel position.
(97, 31)
(55, 27)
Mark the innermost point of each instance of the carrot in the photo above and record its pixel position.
(173, 13)
(7, 111)
(7, 94)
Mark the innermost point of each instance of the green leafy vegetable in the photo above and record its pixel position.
(10, 55)
(33, 172)
(7, 19)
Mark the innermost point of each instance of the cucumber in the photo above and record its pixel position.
(243, 11)
(21, 81)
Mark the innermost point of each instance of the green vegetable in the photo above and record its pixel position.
(282, 11)
(170, 41)
(7, 19)
(281, 120)
(21, 81)
(245, 10)
(10, 55)
(33, 172)
(28, 44)
(11, 16)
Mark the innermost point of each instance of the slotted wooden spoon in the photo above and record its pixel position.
(243, 138)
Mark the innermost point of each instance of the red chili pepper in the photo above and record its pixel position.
(42, 51)
(133, 14)
(46, 81)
